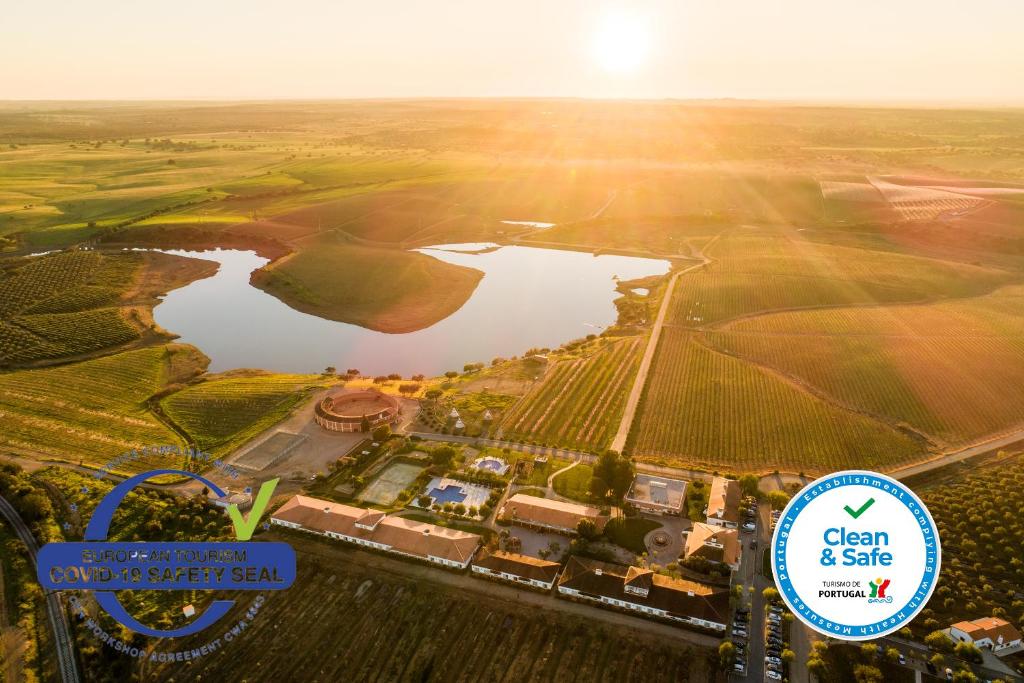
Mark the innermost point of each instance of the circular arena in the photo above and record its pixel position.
(356, 411)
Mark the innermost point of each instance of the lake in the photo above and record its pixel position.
(528, 298)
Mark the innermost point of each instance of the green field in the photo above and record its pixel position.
(221, 414)
(92, 411)
(574, 483)
(382, 289)
(710, 410)
(823, 230)
(952, 370)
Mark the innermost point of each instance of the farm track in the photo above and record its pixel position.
(63, 642)
(633, 400)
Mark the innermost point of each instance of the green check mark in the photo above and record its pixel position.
(859, 511)
(244, 528)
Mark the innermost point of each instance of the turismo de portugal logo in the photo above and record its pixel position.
(104, 567)
(856, 555)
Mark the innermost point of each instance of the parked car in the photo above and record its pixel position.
(902, 660)
(774, 675)
(773, 660)
(749, 526)
(739, 633)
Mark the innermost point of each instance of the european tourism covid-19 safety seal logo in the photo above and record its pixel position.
(104, 567)
(856, 555)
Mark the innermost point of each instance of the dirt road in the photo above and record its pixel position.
(633, 400)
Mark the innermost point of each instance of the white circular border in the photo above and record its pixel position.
(782, 586)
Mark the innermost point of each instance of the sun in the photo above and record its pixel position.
(621, 42)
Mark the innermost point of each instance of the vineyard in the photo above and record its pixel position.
(92, 411)
(580, 400)
(368, 625)
(954, 370)
(221, 414)
(977, 512)
(923, 203)
(706, 409)
(756, 271)
(59, 305)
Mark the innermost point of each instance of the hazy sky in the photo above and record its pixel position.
(939, 50)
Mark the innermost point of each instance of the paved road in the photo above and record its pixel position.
(64, 645)
(633, 400)
(749, 576)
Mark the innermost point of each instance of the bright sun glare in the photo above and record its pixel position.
(621, 41)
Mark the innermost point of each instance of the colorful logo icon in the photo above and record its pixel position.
(104, 567)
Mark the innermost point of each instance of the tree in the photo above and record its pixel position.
(892, 655)
(443, 456)
(778, 499)
(749, 483)
(586, 529)
(381, 433)
(408, 388)
(424, 500)
(869, 651)
(770, 594)
(964, 676)
(433, 394)
(939, 641)
(364, 424)
(330, 370)
(451, 374)
(968, 652)
(616, 471)
(788, 656)
(394, 377)
(726, 654)
(34, 506)
(598, 487)
(623, 477)
(817, 667)
(460, 509)
(864, 673)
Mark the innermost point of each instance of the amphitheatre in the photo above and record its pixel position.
(356, 411)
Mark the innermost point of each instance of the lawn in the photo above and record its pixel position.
(574, 483)
(629, 532)
(388, 290)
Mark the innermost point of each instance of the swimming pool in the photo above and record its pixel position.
(492, 464)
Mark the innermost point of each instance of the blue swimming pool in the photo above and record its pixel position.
(449, 494)
(492, 464)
